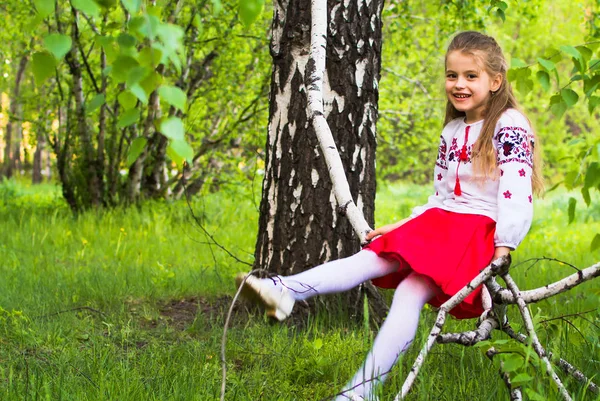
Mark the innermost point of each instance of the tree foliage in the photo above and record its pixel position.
(137, 88)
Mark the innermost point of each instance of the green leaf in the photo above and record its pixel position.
(88, 7)
(502, 5)
(571, 51)
(145, 26)
(150, 57)
(96, 102)
(520, 379)
(557, 106)
(513, 362)
(501, 14)
(139, 92)
(136, 149)
(571, 210)
(171, 36)
(533, 395)
(594, 65)
(125, 40)
(122, 66)
(44, 7)
(175, 158)
(57, 44)
(595, 243)
(517, 63)
(217, 7)
(544, 79)
(136, 74)
(592, 175)
(174, 96)
(586, 53)
(128, 118)
(569, 96)
(524, 84)
(546, 64)
(173, 129)
(151, 82)
(43, 65)
(182, 149)
(133, 6)
(593, 102)
(127, 100)
(250, 10)
(570, 179)
(585, 192)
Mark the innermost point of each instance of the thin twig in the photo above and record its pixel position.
(197, 220)
(224, 338)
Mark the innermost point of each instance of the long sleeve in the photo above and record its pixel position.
(440, 185)
(514, 144)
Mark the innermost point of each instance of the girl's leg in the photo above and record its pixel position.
(395, 335)
(336, 276)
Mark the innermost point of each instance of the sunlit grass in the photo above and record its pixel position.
(131, 267)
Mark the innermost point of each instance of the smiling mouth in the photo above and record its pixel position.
(461, 96)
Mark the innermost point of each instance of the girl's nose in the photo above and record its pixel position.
(460, 82)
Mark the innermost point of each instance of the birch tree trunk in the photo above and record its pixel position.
(299, 223)
(13, 128)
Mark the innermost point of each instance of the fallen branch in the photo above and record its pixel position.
(537, 346)
(504, 296)
(495, 267)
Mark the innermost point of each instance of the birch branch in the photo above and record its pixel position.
(537, 346)
(500, 264)
(315, 69)
(505, 296)
(468, 338)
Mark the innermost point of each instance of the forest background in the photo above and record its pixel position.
(103, 101)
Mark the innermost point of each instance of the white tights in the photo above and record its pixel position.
(398, 330)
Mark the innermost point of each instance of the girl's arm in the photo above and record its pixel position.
(515, 195)
(501, 251)
(385, 229)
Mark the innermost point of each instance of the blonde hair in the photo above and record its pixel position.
(486, 49)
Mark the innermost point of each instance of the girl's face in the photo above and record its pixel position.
(468, 85)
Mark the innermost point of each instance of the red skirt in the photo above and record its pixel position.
(450, 248)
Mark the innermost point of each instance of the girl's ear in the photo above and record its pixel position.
(496, 83)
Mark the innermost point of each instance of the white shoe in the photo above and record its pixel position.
(277, 301)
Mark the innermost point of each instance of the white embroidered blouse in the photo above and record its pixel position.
(508, 200)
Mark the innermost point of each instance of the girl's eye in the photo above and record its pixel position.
(471, 76)
(451, 75)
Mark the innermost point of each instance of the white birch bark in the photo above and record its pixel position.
(314, 85)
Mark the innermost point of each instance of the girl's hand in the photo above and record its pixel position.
(385, 229)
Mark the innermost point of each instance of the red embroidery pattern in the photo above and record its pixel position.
(507, 194)
(441, 161)
(454, 154)
(522, 173)
(530, 199)
(439, 177)
(514, 145)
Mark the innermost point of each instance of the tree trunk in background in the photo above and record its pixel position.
(38, 162)
(13, 128)
(299, 225)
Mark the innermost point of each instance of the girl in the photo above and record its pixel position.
(484, 179)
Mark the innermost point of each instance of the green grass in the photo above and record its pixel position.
(128, 304)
